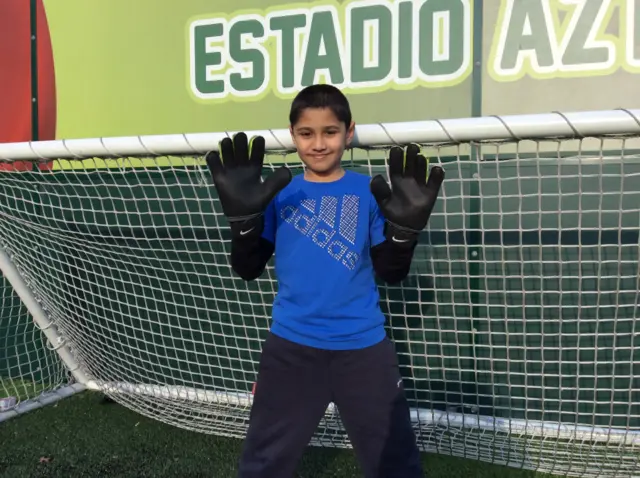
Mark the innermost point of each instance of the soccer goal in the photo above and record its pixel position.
(518, 329)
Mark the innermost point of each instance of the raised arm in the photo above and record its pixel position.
(405, 207)
(237, 175)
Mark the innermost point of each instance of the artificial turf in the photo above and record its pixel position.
(83, 437)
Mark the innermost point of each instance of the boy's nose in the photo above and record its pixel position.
(319, 144)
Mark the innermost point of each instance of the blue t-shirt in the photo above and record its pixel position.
(327, 295)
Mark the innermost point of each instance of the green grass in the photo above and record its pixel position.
(83, 437)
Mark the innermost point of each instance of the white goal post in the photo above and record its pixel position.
(516, 329)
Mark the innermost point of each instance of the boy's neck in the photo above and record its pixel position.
(326, 177)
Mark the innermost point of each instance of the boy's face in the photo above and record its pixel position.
(321, 138)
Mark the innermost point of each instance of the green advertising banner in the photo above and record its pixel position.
(549, 55)
(140, 68)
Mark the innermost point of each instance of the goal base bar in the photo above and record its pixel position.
(47, 398)
(420, 417)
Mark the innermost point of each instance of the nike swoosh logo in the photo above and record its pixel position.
(244, 233)
(399, 240)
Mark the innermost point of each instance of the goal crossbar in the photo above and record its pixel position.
(445, 131)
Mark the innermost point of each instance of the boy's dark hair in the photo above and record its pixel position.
(321, 96)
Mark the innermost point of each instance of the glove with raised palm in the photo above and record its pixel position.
(237, 175)
(408, 204)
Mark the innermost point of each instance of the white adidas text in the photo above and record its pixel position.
(320, 226)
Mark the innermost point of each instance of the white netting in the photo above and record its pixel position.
(30, 372)
(516, 329)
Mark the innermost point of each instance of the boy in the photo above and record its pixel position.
(331, 230)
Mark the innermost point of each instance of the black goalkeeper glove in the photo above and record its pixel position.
(408, 207)
(237, 175)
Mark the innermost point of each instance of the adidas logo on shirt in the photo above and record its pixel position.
(320, 223)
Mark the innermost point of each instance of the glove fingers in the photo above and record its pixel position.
(256, 150)
(396, 162)
(277, 181)
(434, 183)
(380, 189)
(431, 191)
(420, 173)
(240, 149)
(436, 178)
(215, 165)
(410, 164)
(226, 153)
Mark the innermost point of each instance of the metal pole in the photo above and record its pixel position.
(35, 120)
(11, 273)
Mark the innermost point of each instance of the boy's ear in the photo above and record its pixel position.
(293, 138)
(350, 132)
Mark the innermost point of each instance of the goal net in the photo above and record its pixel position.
(516, 330)
(31, 372)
